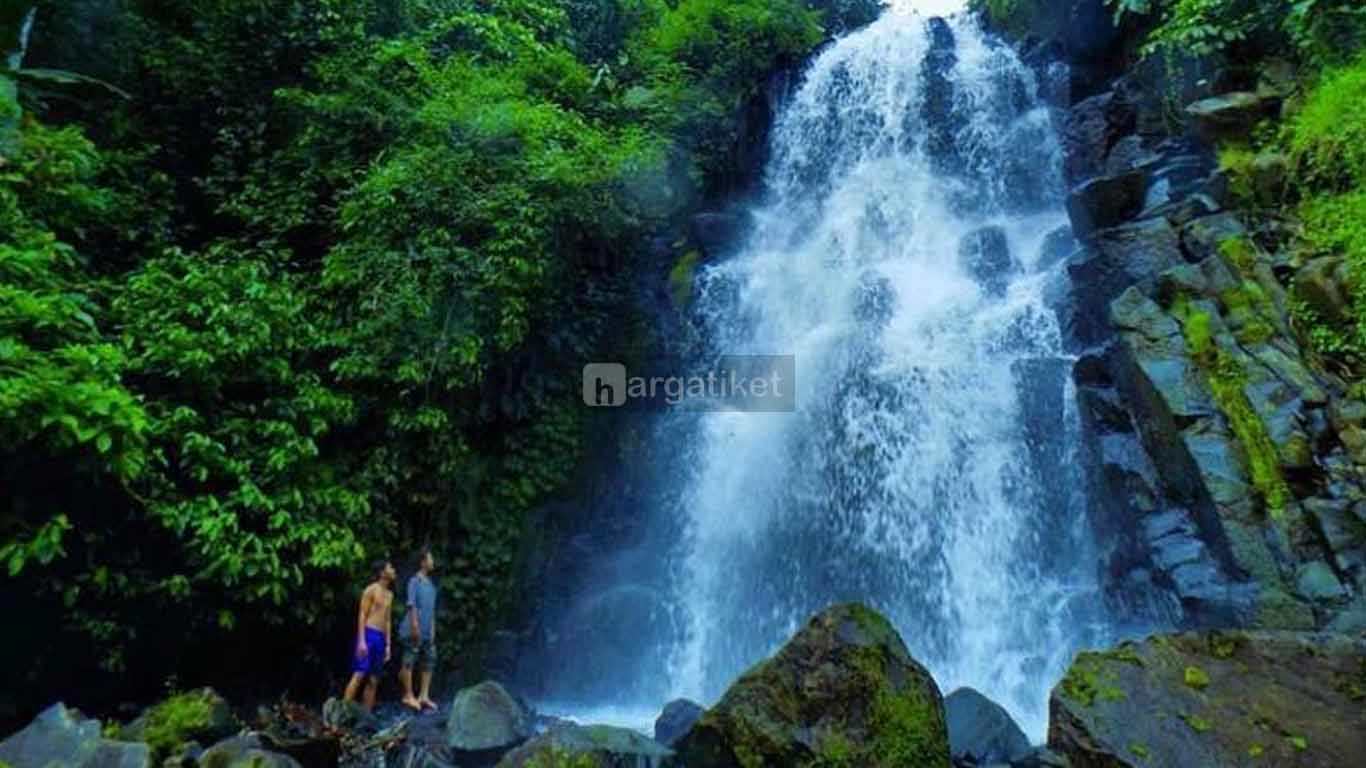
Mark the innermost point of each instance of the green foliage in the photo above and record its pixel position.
(238, 424)
(1317, 30)
(705, 60)
(555, 757)
(682, 277)
(175, 721)
(1089, 680)
(1328, 135)
(1226, 379)
(1325, 140)
(1196, 678)
(324, 290)
(61, 397)
(1197, 723)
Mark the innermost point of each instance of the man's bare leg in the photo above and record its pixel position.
(371, 688)
(353, 686)
(425, 676)
(405, 676)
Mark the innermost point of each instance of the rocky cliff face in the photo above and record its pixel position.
(1227, 463)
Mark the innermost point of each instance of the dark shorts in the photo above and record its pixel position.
(419, 653)
(372, 663)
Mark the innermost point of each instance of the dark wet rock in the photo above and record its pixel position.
(1231, 115)
(676, 719)
(1102, 411)
(1091, 129)
(1189, 208)
(319, 751)
(187, 756)
(419, 756)
(980, 730)
(1202, 237)
(1322, 284)
(246, 751)
(1106, 202)
(1342, 533)
(844, 688)
(591, 746)
(1118, 258)
(486, 716)
(938, 105)
(348, 716)
(1315, 581)
(1090, 32)
(1267, 177)
(1127, 154)
(985, 254)
(1041, 757)
(1185, 565)
(62, 737)
(1057, 246)
(715, 231)
(1217, 698)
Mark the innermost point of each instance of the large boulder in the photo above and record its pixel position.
(1214, 698)
(592, 746)
(676, 720)
(843, 691)
(486, 717)
(61, 737)
(980, 730)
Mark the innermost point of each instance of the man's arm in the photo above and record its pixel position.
(388, 634)
(365, 597)
(412, 610)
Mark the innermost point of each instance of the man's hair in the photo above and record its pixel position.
(422, 552)
(378, 568)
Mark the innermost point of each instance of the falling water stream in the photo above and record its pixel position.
(900, 254)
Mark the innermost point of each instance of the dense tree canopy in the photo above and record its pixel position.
(287, 285)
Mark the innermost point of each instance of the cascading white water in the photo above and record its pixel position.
(927, 469)
(911, 223)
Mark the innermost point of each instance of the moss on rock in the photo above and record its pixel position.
(201, 715)
(843, 692)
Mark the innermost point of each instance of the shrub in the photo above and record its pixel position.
(1328, 136)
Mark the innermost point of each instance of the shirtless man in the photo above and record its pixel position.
(372, 634)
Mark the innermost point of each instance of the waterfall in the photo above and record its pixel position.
(902, 252)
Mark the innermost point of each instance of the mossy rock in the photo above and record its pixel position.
(843, 692)
(681, 279)
(201, 715)
(1229, 698)
(486, 717)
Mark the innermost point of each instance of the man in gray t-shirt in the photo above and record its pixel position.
(418, 634)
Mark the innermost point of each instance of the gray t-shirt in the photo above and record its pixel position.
(422, 598)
